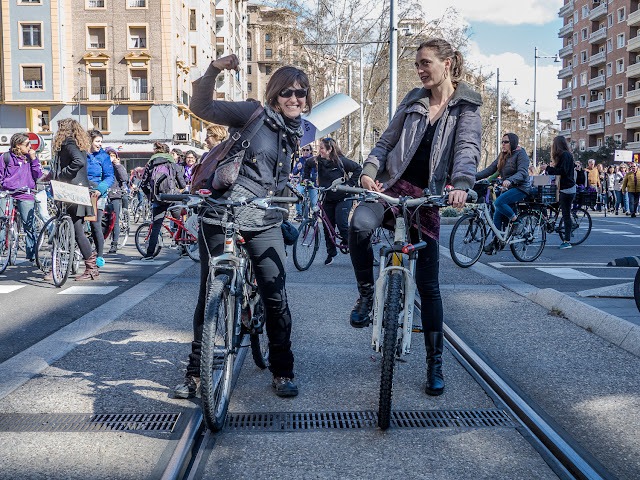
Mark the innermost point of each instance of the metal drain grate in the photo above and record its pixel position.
(103, 422)
(294, 421)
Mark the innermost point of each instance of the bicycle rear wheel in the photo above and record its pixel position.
(533, 236)
(5, 245)
(44, 246)
(217, 357)
(64, 244)
(392, 306)
(124, 227)
(581, 228)
(307, 244)
(15, 243)
(142, 239)
(467, 240)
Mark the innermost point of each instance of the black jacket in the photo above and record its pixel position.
(328, 171)
(566, 170)
(119, 187)
(267, 162)
(71, 164)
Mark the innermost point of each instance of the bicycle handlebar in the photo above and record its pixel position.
(413, 202)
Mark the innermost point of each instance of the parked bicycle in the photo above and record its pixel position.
(56, 246)
(470, 233)
(140, 210)
(550, 217)
(395, 287)
(183, 235)
(233, 308)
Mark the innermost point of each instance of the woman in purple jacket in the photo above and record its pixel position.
(19, 169)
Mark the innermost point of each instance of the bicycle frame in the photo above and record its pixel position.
(504, 237)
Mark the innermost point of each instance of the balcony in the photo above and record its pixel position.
(633, 96)
(564, 93)
(564, 114)
(633, 20)
(596, 105)
(94, 94)
(565, 133)
(632, 122)
(183, 98)
(632, 146)
(97, 45)
(566, 31)
(597, 83)
(566, 9)
(599, 36)
(633, 71)
(599, 58)
(565, 51)
(595, 128)
(565, 72)
(633, 45)
(136, 94)
(599, 12)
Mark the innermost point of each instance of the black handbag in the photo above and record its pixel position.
(289, 233)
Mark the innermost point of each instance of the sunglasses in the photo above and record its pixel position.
(298, 92)
(505, 141)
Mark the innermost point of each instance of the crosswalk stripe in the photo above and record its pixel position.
(567, 273)
(9, 288)
(86, 290)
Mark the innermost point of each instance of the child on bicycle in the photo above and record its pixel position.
(445, 105)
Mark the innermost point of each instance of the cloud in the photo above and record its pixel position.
(513, 66)
(500, 12)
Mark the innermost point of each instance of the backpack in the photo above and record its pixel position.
(162, 181)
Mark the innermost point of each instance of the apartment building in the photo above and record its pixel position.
(124, 67)
(601, 73)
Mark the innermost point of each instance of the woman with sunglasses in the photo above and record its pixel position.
(432, 140)
(264, 172)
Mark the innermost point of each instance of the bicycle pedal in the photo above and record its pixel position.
(416, 328)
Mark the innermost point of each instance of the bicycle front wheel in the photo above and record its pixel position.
(217, 357)
(64, 245)
(143, 232)
(307, 244)
(5, 245)
(531, 240)
(467, 240)
(15, 243)
(44, 246)
(581, 227)
(259, 339)
(392, 306)
(124, 227)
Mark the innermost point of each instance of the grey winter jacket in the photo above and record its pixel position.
(455, 151)
(516, 170)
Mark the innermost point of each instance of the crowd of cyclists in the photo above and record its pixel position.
(432, 141)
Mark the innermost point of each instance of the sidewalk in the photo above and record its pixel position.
(132, 363)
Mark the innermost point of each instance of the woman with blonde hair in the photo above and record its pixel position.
(70, 147)
(215, 135)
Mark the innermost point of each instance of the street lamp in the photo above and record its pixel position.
(535, 116)
(515, 82)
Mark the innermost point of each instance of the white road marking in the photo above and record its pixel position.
(632, 236)
(144, 262)
(609, 231)
(9, 288)
(567, 273)
(87, 290)
(554, 265)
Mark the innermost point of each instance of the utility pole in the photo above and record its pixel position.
(361, 108)
(393, 59)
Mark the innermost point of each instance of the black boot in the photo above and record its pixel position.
(360, 314)
(435, 380)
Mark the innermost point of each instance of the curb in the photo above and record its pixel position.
(448, 220)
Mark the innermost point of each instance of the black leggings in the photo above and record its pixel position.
(96, 233)
(566, 200)
(266, 250)
(366, 218)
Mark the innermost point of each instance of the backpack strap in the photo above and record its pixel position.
(236, 136)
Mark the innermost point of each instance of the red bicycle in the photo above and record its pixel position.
(183, 235)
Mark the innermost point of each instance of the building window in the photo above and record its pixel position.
(137, 3)
(249, 87)
(583, 79)
(575, 38)
(574, 103)
(139, 85)
(267, 37)
(99, 120)
(574, 82)
(583, 123)
(267, 70)
(619, 90)
(583, 101)
(98, 81)
(193, 24)
(609, 45)
(583, 145)
(137, 37)
(194, 55)
(585, 11)
(610, 19)
(607, 94)
(31, 34)
(267, 53)
(248, 69)
(575, 59)
(583, 56)
(249, 53)
(617, 138)
(139, 120)
(45, 120)
(96, 37)
(621, 14)
(576, 16)
(585, 33)
(95, 4)
(573, 124)
(607, 118)
(32, 78)
(620, 40)
(609, 69)
(618, 117)
(620, 65)
(32, 2)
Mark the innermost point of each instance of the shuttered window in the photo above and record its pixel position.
(32, 77)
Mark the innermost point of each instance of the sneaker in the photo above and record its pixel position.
(488, 247)
(189, 389)
(516, 228)
(633, 215)
(565, 245)
(329, 259)
(113, 249)
(146, 259)
(284, 387)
